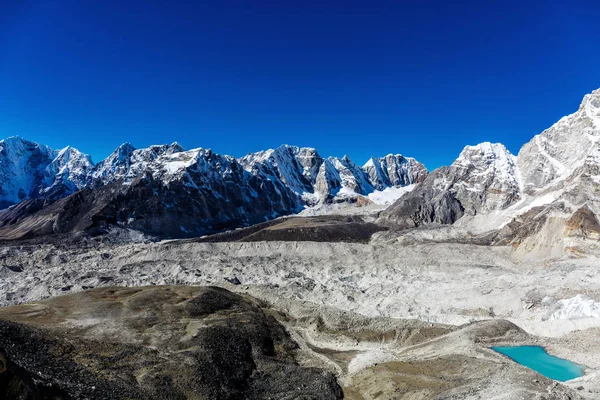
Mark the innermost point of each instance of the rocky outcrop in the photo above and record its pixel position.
(583, 223)
(152, 343)
(394, 170)
(559, 150)
(426, 204)
(316, 179)
(328, 182)
(483, 178)
(548, 193)
(296, 168)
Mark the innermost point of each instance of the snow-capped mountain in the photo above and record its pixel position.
(394, 170)
(549, 192)
(67, 173)
(31, 170)
(561, 149)
(127, 163)
(288, 167)
(168, 190)
(484, 177)
(353, 178)
(316, 179)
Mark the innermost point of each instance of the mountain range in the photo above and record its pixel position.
(549, 191)
(167, 191)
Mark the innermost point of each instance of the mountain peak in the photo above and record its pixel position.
(13, 138)
(175, 147)
(561, 149)
(487, 147)
(286, 147)
(125, 148)
(18, 142)
(486, 152)
(68, 150)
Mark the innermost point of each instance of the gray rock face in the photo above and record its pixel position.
(294, 167)
(316, 179)
(560, 170)
(352, 176)
(169, 192)
(426, 204)
(156, 342)
(328, 180)
(558, 150)
(483, 178)
(394, 170)
(537, 193)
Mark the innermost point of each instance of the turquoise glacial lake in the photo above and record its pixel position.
(536, 358)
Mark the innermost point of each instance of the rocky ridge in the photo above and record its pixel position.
(528, 199)
(166, 191)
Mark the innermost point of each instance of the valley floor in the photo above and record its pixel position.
(391, 319)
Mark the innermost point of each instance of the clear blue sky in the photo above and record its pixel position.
(421, 78)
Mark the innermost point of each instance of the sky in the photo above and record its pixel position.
(362, 78)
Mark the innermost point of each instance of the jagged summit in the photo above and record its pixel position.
(166, 190)
(495, 150)
(175, 147)
(562, 148)
(318, 179)
(22, 166)
(394, 170)
(67, 173)
(530, 198)
(484, 177)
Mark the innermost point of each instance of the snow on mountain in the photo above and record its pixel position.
(353, 178)
(487, 178)
(164, 188)
(389, 195)
(557, 172)
(297, 173)
(22, 166)
(562, 148)
(544, 200)
(328, 182)
(295, 168)
(316, 179)
(394, 170)
(483, 178)
(127, 163)
(67, 173)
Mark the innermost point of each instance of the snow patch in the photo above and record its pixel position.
(577, 307)
(389, 195)
(540, 201)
